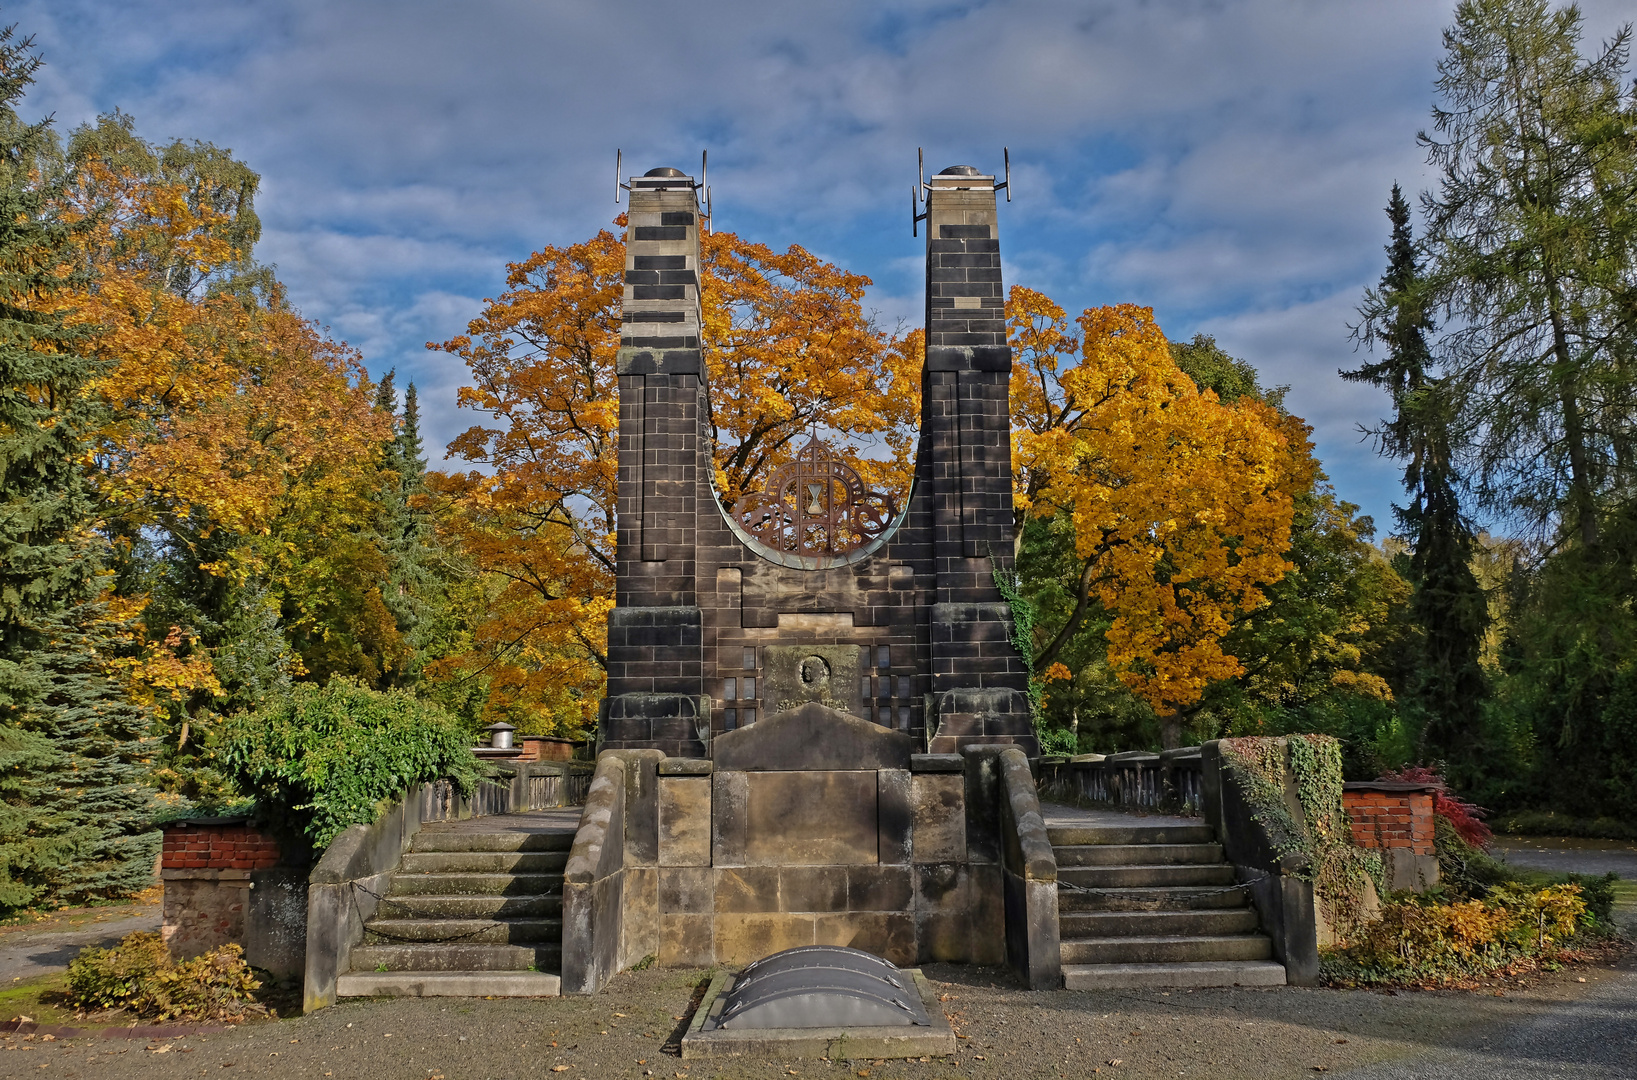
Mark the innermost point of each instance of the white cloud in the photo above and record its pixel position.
(1224, 160)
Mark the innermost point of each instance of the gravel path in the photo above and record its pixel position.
(31, 951)
(1011, 1035)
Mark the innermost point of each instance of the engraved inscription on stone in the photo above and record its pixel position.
(793, 675)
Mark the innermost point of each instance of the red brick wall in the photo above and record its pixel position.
(1391, 819)
(217, 847)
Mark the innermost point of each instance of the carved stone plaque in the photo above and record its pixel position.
(793, 675)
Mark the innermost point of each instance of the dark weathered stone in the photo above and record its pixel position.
(812, 737)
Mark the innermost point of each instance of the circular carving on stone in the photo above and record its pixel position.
(814, 673)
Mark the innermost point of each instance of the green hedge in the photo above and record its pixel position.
(323, 758)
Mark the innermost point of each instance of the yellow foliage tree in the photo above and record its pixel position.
(228, 417)
(1181, 505)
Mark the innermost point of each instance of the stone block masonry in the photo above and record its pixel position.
(713, 631)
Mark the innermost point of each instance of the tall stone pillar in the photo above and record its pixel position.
(655, 642)
(979, 681)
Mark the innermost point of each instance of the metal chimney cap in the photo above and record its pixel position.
(957, 170)
(665, 170)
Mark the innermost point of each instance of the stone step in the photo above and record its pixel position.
(1073, 835)
(1138, 854)
(1115, 924)
(1167, 949)
(1137, 877)
(1128, 976)
(484, 862)
(476, 885)
(434, 839)
(448, 984)
(472, 907)
(368, 959)
(1180, 898)
(464, 931)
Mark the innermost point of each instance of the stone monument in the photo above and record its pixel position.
(814, 589)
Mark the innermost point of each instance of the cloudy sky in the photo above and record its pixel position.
(1224, 161)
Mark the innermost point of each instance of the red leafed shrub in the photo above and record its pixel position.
(1464, 816)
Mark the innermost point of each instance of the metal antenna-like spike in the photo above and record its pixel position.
(709, 225)
(1006, 154)
(920, 167)
(914, 215)
(619, 160)
(704, 168)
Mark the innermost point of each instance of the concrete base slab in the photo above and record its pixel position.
(1217, 973)
(704, 1040)
(448, 984)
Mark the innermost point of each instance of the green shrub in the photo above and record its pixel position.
(1471, 872)
(138, 974)
(323, 758)
(1419, 935)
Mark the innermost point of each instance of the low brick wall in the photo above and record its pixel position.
(1395, 819)
(224, 885)
(229, 845)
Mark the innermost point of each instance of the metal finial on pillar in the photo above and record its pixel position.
(915, 194)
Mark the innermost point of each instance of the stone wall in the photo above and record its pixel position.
(754, 862)
(810, 828)
(1397, 820)
(224, 885)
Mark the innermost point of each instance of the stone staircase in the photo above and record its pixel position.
(475, 910)
(1148, 902)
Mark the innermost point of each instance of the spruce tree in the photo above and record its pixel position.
(76, 825)
(44, 503)
(1448, 605)
(404, 529)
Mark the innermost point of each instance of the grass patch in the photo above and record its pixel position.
(72, 918)
(43, 999)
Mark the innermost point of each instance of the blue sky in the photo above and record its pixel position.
(1224, 161)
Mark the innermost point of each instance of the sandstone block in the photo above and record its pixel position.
(742, 939)
(938, 805)
(810, 818)
(684, 820)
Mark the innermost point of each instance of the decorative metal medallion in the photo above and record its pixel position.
(816, 505)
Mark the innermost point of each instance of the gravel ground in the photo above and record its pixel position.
(625, 1032)
(29, 951)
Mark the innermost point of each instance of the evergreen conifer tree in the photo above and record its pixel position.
(1448, 604)
(405, 531)
(76, 812)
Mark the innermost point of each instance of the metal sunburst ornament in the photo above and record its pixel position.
(816, 505)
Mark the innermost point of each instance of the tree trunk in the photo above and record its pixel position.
(1171, 730)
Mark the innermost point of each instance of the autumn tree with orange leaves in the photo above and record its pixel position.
(789, 352)
(1180, 506)
(236, 459)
